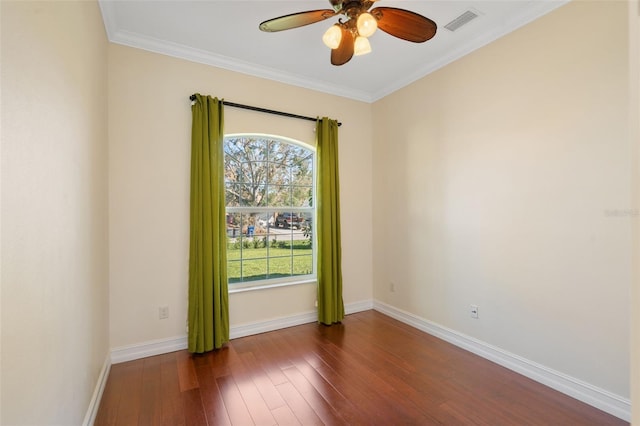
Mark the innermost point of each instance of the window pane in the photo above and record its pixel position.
(278, 174)
(287, 220)
(234, 270)
(254, 269)
(234, 222)
(295, 154)
(274, 177)
(301, 196)
(255, 236)
(307, 227)
(252, 223)
(232, 170)
(261, 222)
(302, 171)
(254, 248)
(244, 194)
(254, 172)
(303, 265)
(253, 195)
(250, 149)
(232, 194)
(280, 267)
(277, 151)
(279, 196)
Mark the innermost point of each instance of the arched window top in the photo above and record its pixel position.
(265, 136)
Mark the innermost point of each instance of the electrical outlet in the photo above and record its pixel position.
(392, 287)
(474, 311)
(163, 312)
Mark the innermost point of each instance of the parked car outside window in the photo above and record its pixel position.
(289, 220)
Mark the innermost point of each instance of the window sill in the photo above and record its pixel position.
(272, 285)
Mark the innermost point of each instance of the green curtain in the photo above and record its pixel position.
(208, 296)
(330, 304)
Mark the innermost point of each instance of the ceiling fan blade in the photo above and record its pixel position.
(343, 53)
(404, 24)
(296, 20)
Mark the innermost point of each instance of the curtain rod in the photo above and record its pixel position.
(267, 111)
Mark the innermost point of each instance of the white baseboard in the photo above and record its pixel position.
(250, 329)
(146, 349)
(291, 321)
(352, 308)
(94, 404)
(582, 391)
(172, 344)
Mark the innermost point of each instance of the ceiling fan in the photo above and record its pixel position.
(350, 37)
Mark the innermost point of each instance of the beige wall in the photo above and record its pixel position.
(634, 121)
(504, 180)
(149, 154)
(54, 210)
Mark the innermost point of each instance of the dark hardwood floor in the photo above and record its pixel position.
(370, 369)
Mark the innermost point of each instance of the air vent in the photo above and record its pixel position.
(461, 20)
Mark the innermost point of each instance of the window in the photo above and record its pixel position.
(269, 189)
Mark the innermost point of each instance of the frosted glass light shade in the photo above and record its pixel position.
(332, 37)
(362, 46)
(366, 24)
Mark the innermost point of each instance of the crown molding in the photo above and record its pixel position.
(151, 44)
(119, 36)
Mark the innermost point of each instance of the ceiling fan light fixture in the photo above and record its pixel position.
(332, 37)
(349, 36)
(362, 46)
(366, 24)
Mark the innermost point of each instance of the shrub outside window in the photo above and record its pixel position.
(269, 191)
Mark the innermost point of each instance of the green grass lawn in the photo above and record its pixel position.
(258, 263)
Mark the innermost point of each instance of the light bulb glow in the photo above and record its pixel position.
(366, 24)
(362, 46)
(332, 37)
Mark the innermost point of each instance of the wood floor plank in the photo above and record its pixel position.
(171, 399)
(151, 393)
(186, 371)
(258, 409)
(374, 407)
(323, 409)
(243, 377)
(108, 411)
(262, 381)
(129, 407)
(341, 403)
(386, 400)
(369, 370)
(193, 409)
(285, 417)
(212, 402)
(236, 407)
(404, 376)
(298, 405)
(273, 355)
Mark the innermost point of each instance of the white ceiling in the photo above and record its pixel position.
(225, 34)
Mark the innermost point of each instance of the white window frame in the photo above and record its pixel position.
(295, 279)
